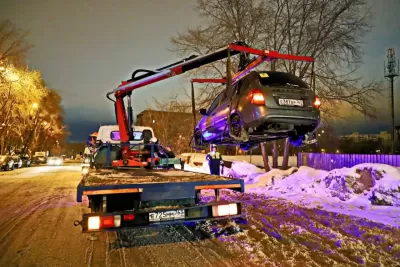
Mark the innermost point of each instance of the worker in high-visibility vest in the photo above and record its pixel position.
(214, 160)
(90, 149)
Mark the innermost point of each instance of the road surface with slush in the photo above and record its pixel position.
(38, 207)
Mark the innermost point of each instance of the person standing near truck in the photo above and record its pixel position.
(214, 160)
(90, 148)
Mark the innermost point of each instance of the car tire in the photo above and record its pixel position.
(236, 126)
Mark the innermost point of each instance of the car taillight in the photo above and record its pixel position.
(255, 96)
(317, 102)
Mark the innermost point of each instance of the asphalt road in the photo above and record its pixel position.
(38, 208)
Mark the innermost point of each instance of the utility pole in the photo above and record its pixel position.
(193, 106)
(391, 74)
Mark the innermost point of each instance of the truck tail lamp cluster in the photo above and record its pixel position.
(256, 97)
(225, 210)
(104, 222)
(317, 102)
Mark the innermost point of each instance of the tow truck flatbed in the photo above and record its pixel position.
(154, 184)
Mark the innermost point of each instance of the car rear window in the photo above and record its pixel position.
(271, 78)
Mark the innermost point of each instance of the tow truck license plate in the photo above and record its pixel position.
(166, 215)
(291, 102)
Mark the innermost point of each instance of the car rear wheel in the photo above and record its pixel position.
(236, 126)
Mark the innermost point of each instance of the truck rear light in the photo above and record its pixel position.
(94, 223)
(225, 210)
(101, 222)
(129, 217)
(107, 222)
(117, 220)
(317, 102)
(256, 96)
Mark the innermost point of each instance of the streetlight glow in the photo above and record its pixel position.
(35, 105)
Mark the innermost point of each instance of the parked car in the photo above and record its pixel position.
(40, 157)
(261, 106)
(55, 161)
(17, 162)
(6, 162)
(26, 161)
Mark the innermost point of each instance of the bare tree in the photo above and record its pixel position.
(331, 31)
(27, 105)
(13, 44)
(171, 120)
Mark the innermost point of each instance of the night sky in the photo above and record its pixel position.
(85, 48)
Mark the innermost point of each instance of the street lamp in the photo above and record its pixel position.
(35, 105)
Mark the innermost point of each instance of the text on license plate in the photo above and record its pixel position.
(290, 102)
(166, 215)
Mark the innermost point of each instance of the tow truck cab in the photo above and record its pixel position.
(110, 134)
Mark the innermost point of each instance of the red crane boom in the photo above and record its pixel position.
(127, 87)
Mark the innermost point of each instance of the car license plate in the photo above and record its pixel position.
(290, 102)
(166, 215)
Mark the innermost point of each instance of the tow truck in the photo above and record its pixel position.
(135, 188)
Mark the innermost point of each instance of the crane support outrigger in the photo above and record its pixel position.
(126, 88)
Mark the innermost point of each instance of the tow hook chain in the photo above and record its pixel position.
(77, 223)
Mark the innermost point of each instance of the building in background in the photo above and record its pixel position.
(357, 137)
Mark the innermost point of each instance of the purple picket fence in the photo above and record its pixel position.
(336, 161)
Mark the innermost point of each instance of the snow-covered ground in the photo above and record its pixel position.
(255, 159)
(366, 190)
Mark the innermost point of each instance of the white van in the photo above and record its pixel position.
(110, 134)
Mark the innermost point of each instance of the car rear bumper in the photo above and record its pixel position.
(263, 115)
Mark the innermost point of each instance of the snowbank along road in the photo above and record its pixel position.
(38, 209)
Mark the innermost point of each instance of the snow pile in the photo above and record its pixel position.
(242, 170)
(366, 190)
(379, 183)
(254, 180)
(303, 180)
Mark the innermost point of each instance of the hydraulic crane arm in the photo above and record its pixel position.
(195, 62)
(180, 67)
